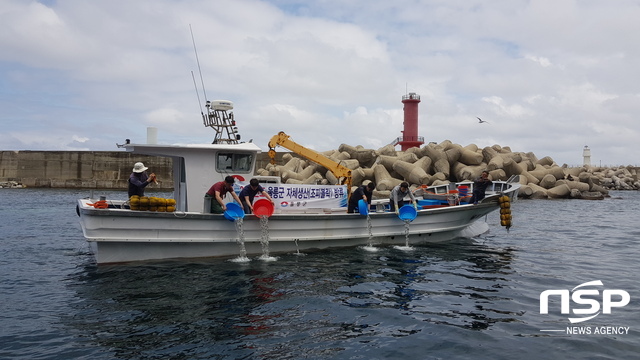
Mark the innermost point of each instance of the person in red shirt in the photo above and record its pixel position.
(218, 192)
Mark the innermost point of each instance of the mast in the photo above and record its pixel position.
(219, 117)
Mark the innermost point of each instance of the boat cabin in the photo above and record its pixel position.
(197, 167)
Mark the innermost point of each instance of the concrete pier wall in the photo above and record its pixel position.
(85, 169)
(79, 169)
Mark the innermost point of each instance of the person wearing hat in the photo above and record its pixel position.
(218, 192)
(138, 180)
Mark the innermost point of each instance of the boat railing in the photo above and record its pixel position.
(407, 138)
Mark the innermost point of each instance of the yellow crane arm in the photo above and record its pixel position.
(338, 170)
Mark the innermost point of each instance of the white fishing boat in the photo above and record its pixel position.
(117, 233)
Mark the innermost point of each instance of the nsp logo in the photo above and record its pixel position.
(610, 299)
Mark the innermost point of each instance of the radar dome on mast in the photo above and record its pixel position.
(222, 105)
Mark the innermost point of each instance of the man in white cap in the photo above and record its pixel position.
(138, 180)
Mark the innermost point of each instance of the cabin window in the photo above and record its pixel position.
(234, 162)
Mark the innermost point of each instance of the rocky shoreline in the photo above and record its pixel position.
(11, 185)
(435, 164)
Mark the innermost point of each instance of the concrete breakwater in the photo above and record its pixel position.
(436, 164)
(430, 165)
(83, 169)
(78, 169)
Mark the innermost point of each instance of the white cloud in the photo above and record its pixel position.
(543, 61)
(501, 108)
(549, 76)
(80, 139)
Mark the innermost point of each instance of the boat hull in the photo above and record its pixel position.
(122, 235)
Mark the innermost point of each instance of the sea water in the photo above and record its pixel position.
(466, 299)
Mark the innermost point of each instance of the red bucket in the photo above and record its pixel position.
(263, 208)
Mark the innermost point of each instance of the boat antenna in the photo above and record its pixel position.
(217, 116)
(198, 62)
(197, 94)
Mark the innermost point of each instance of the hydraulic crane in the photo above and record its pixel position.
(340, 171)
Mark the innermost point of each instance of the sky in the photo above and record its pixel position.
(549, 76)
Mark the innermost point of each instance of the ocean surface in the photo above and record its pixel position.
(467, 299)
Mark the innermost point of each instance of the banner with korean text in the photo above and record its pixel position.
(296, 197)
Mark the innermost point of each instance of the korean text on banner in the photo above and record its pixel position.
(295, 196)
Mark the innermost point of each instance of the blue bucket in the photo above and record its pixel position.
(407, 212)
(363, 207)
(233, 212)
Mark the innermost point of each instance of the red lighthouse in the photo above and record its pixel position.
(410, 136)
